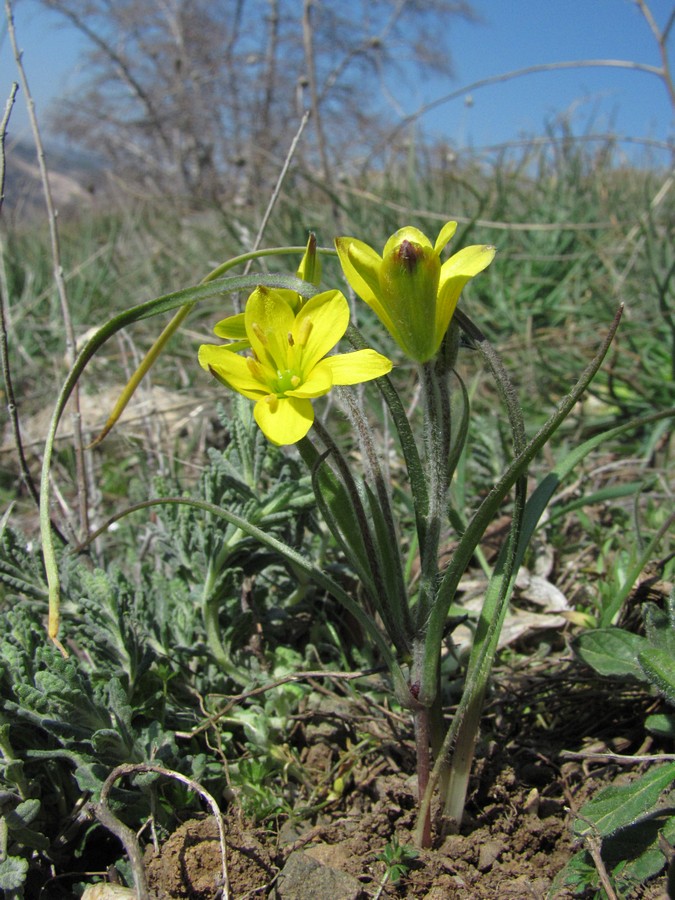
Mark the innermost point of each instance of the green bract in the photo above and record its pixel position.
(289, 366)
(410, 291)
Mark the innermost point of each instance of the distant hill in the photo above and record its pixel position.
(73, 177)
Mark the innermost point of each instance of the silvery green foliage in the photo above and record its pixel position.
(141, 656)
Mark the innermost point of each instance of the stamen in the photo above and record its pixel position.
(291, 342)
(259, 333)
(273, 402)
(254, 368)
(304, 331)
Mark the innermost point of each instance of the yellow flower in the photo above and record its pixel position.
(289, 366)
(410, 291)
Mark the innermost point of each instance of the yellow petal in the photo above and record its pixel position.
(293, 299)
(232, 328)
(319, 326)
(232, 369)
(361, 266)
(469, 261)
(318, 382)
(455, 273)
(286, 421)
(269, 319)
(444, 235)
(353, 368)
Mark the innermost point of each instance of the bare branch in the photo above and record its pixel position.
(57, 272)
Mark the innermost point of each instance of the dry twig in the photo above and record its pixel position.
(59, 280)
(102, 812)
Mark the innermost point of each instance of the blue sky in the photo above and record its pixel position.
(513, 34)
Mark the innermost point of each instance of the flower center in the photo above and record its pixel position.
(286, 380)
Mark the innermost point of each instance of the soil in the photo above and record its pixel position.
(516, 835)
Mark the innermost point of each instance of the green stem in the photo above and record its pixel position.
(488, 508)
(422, 741)
(437, 442)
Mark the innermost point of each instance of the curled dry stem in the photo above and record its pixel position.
(102, 812)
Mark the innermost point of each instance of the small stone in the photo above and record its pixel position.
(303, 877)
(105, 891)
(488, 854)
(531, 805)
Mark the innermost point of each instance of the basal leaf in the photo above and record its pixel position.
(616, 807)
(659, 627)
(612, 651)
(659, 667)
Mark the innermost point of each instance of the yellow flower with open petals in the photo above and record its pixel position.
(410, 291)
(289, 366)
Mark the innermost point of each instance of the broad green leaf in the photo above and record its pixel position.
(616, 807)
(633, 853)
(612, 651)
(659, 667)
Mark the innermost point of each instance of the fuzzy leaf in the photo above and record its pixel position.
(659, 667)
(23, 814)
(616, 807)
(612, 651)
(659, 627)
(13, 871)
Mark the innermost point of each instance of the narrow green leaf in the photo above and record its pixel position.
(389, 555)
(488, 508)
